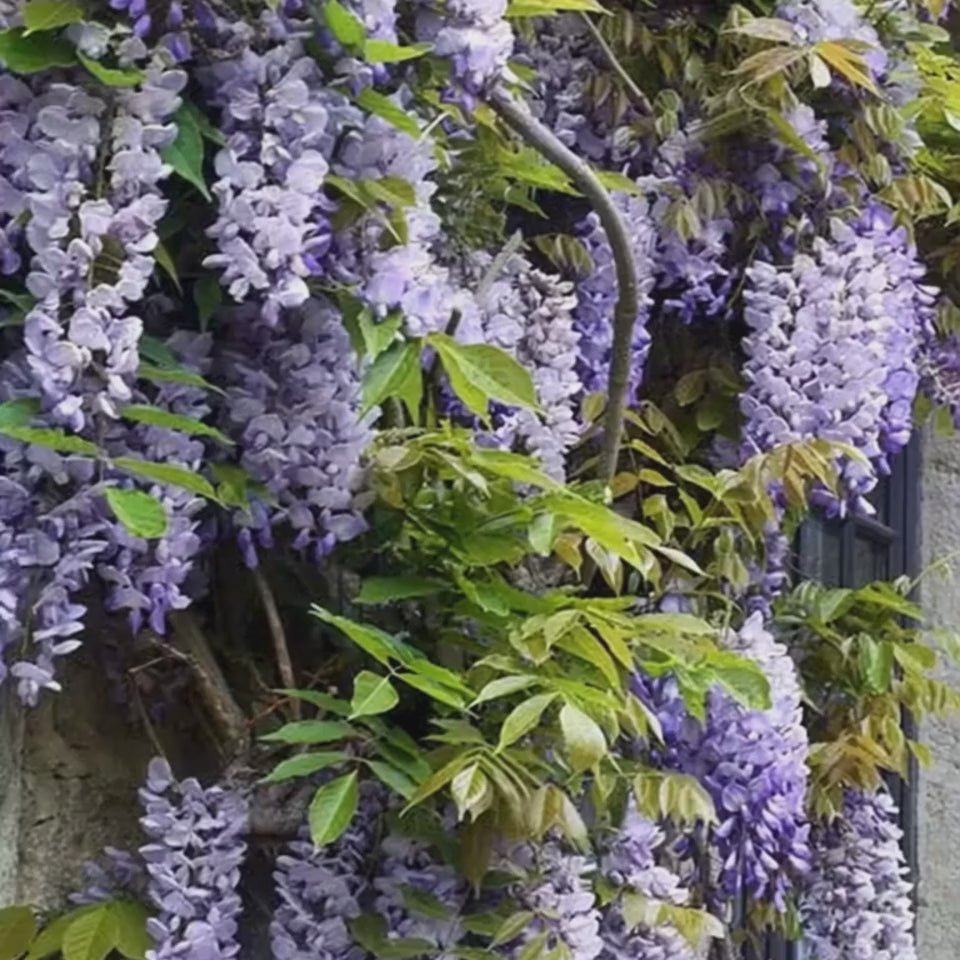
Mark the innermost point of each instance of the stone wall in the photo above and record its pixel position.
(69, 771)
(938, 802)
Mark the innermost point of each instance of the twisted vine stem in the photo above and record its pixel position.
(516, 115)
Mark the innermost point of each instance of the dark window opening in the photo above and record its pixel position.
(851, 553)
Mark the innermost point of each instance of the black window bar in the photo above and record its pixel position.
(851, 553)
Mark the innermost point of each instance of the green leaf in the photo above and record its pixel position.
(383, 107)
(304, 765)
(847, 62)
(543, 8)
(322, 700)
(185, 154)
(50, 14)
(311, 731)
(583, 738)
(132, 939)
(332, 809)
(744, 679)
(439, 779)
(395, 373)
(91, 936)
(51, 937)
(503, 687)
(378, 337)
(18, 927)
(523, 718)
(388, 589)
(344, 25)
(112, 77)
(168, 474)
(18, 413)
(188, 378)
(156, 417)
(471, 792)
(141, 515)
(372, 694)
(395, 779)
(371, 933)
(480, 372)
(425, 904)
(52, 439)
(207, 296)
(433, 689)
(162, 255)
(383, 51)
(373, 641)
(203, 124)
(31, 54)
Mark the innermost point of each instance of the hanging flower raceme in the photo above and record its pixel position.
(81, 338)
(753, 763)
(833, 344)
(148, 578)
(554, 884)
(280, 120)
(293, 402)
(474, 36)
(629, 865)
(529, 314)
(321, 890)
(193, 865)
(857, 902)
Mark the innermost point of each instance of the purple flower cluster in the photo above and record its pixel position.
(818, 20)
(272, 231)
(320, 890)
(832, 347)
(629, 864)
(292, 402)
(473, 36)
(148, 578)
(753, 763)
(857, 902)
(81, 339)
(555, 886)
(193, 865)
(529, 314)
(117, 875)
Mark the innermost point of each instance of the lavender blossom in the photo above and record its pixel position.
(629, 864)
(474, 36)
(149, 578)
(832, 348)
(321, 890)
(272, 231)
(117, 875)
(555, 886)
(753, 763)
(193, 865)
(293, 402)
(529, 314)
(857, 903)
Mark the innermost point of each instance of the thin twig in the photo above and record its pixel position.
(145, 718)
(280, 649)
(516, 116)
(639, 98)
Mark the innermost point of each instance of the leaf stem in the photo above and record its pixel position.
(280, 649)
(522, 122)
(639, 98)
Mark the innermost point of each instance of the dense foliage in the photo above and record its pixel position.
(515, 339)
